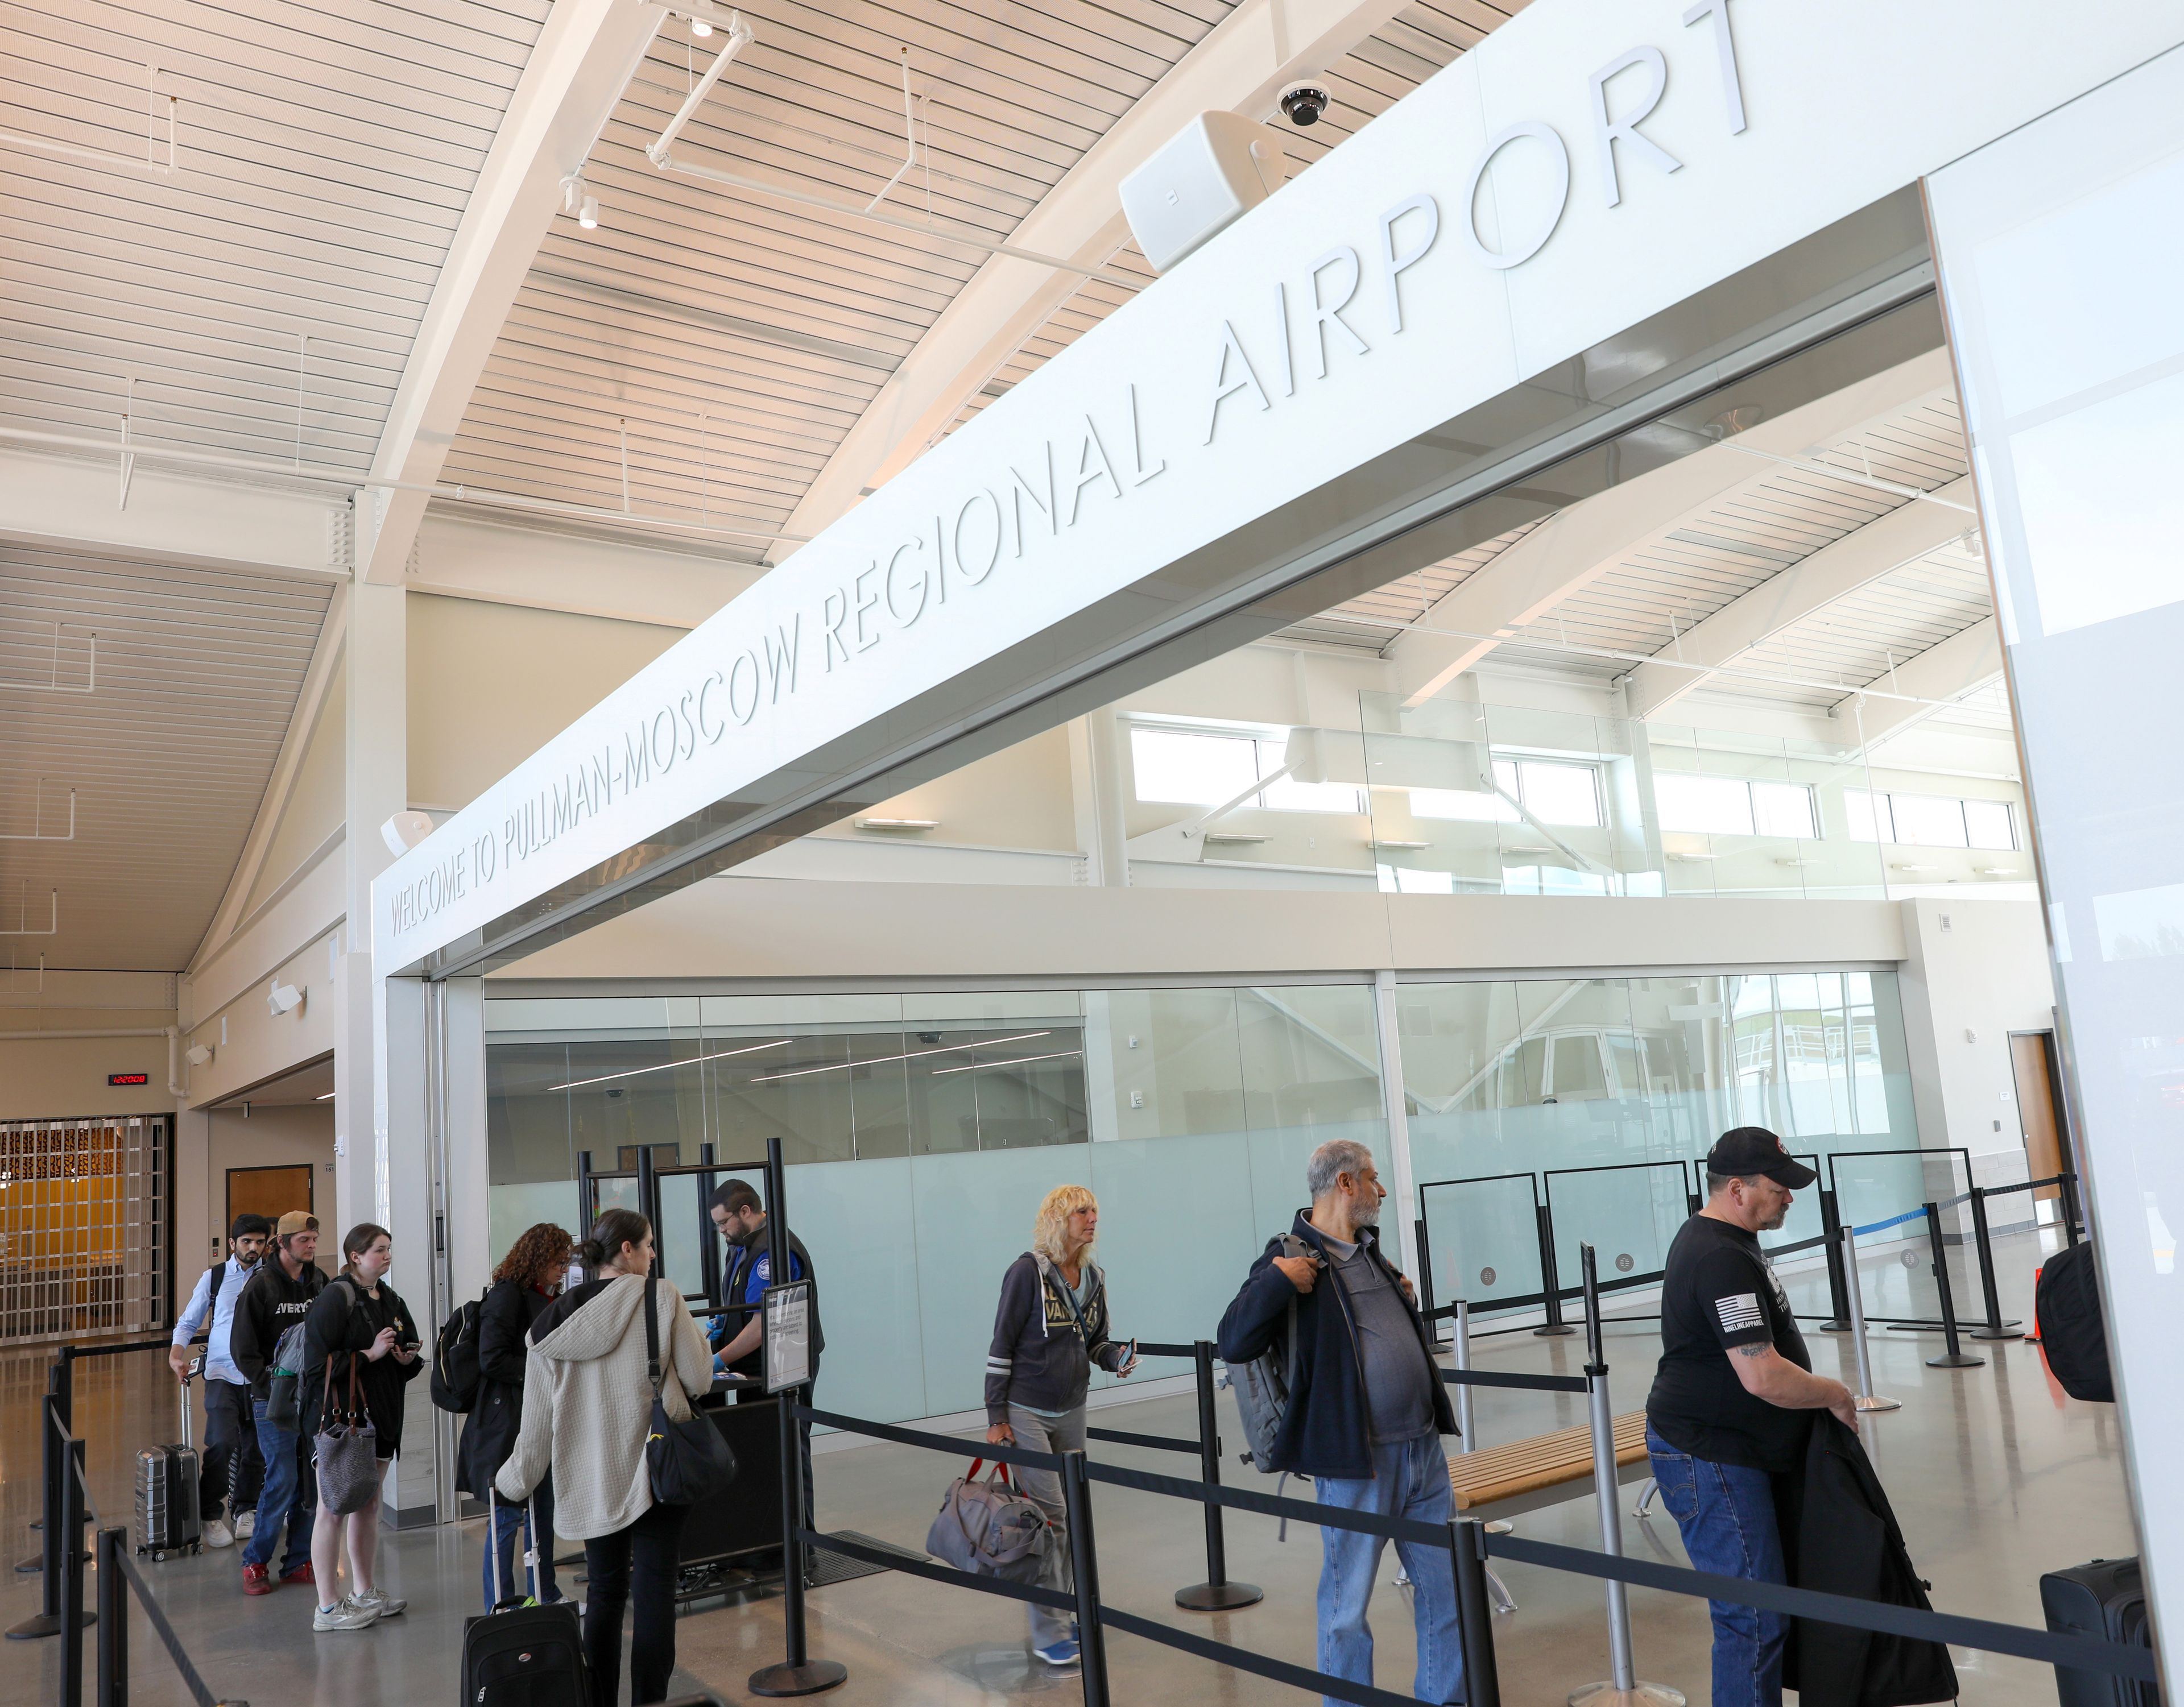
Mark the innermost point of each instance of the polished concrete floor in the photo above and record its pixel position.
(1995, 1477)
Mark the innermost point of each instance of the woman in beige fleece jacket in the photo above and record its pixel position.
(587, 1408)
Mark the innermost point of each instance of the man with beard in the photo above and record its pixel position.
(231, 1463)
(1732, 1401)
(1366, 1413)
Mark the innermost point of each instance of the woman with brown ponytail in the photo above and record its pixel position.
(587, 1407)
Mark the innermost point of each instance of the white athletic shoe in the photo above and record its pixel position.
(246, 1525)
(386, 1605)
(344, 1615)
(218, 1534)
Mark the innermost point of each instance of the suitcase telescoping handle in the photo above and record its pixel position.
(186, 1405)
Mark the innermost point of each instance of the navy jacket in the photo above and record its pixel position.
(1327, 1430)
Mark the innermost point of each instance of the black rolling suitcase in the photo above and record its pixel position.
(2105, 1599)
(521, 1654)
(167, 1515)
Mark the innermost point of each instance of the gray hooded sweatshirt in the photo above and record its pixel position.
(587, 1407)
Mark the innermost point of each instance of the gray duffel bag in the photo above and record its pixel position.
(990, 1530)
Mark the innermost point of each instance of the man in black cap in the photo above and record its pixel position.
(1729, 1407)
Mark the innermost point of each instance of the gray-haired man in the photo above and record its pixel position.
(1366, 1416)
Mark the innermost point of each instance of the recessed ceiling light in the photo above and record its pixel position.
(700, 28)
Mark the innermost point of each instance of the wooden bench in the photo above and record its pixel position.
(1499, 1482)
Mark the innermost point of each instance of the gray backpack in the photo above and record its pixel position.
(990, 1530)
(1262, 1386)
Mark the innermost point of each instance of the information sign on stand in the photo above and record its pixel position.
(788, 1335)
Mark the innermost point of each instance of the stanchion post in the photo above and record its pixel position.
(1865, 1399)
(2068, 1182)
(112, 1683)
(1465, 1432)
(798, 1673)
(1838, 1288)
(1994, 1327)
(648, 1188)
(1217, 1594)
(53, 1462)
(1622, 1688)
(1482, 1676)
(1085, 1566)
(42, 1560)
(1550, 1282)
(1956, 1357)
(72, 1618)
(587, 1194)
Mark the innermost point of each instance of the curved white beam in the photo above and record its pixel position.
(1969, 659)
(1883, 546)
(584, 60)
(1240, 66)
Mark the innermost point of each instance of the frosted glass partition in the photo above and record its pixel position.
(1483, 1235)
(1493, 799)
(923, 1130)
(1627, 1212)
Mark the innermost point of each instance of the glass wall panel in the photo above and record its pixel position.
(923, 1130)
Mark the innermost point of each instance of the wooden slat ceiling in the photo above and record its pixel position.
(326, 153)
(730, 341)
(197, 674)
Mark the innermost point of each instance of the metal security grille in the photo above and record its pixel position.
(83, 1226)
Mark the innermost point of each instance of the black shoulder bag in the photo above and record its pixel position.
(688, 1461)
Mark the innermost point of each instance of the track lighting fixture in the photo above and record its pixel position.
(577, 198)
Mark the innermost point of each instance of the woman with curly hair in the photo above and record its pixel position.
(1051, 1329)
(528, 1281)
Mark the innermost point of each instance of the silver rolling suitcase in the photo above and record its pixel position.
(167, 1516)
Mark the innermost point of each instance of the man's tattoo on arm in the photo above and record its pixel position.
(1752, 1350)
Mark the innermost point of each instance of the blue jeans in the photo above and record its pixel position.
(290, 1495)
(508, 1522)
(1726, 1514)
(1408, 1481)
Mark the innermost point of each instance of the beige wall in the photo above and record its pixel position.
(212, 1141)
(250, 1044)
(1017, 798)
(45, 1079)
(490, 684)
(316, 802)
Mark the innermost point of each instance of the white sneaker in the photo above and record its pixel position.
(344, 1615)
(218, 1534)
(386, 1605)
(246, 1525)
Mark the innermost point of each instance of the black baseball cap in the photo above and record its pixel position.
(1755, 1150)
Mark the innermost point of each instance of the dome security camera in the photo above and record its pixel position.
(1302, 103)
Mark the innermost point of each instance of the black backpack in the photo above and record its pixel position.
(455, 1374)
(2072, 1333)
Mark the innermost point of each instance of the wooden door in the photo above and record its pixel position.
(2036, 1108)
(271, 1193)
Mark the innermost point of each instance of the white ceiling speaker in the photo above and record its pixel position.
(199, 1055)
(1217, 168)
(404, 830)
(283, 999)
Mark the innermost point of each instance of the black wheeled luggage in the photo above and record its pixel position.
(167, 1516)
(522, 1655)
(2105, 1599)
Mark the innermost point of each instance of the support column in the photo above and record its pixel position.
(2053, 226)
(378, 788)
(1402, 1181)
(1096, 788)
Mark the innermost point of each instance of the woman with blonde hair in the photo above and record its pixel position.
(1051, 1329)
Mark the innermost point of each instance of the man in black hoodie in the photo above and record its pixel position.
(277, 1298)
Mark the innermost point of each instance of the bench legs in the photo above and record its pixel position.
(1646, 1495)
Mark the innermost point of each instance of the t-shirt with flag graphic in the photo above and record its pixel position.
(1720, 1292)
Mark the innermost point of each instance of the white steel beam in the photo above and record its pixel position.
(1240, 66)
(1967, 660)
(584, 60)
(71, 503)
(1883, 546)
(1576, 547)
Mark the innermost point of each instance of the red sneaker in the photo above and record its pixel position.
(257, 1579)
(303, 1573)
